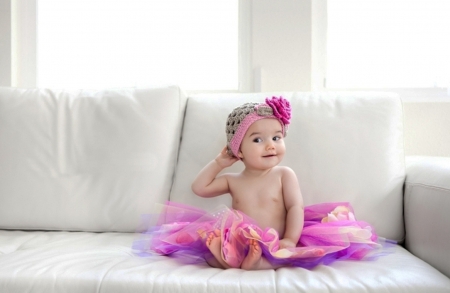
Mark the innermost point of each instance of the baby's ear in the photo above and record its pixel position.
(240, 155)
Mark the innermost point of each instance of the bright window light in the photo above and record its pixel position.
(388, 44)
(121, 43)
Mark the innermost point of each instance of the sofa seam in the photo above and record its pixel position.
(182, 112)
(427, 186)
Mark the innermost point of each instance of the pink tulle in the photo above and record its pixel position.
(330, 233)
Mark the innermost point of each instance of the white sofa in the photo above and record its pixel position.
(78, 168)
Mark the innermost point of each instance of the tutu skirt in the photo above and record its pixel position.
(330, 233)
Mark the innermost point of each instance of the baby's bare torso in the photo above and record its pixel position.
(261, 198)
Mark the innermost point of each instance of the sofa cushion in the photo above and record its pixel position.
(86, 160)
(342, 146)
(103, 262)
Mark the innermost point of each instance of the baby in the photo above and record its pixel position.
(268, 226)
(268, 193)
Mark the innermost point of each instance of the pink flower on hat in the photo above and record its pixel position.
(281, 109)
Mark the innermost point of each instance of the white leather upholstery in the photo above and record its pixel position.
(343, 147)
(427, 204)
(91, 262)
(86, 160)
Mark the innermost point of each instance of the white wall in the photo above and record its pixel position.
(427, 128)
(288, 44)
(281, 44)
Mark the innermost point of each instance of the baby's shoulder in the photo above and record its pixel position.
(231, 176)
(283, 170)
(285, 173)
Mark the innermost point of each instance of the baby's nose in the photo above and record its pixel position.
(270, 145)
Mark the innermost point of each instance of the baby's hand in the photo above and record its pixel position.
(286, 243)
(224, 159)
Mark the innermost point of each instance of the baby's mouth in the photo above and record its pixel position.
(268, 156)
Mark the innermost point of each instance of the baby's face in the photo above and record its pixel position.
(263, 144)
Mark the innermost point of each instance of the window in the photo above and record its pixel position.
(116, 43)
(388, 44)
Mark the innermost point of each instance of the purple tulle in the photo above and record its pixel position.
(330, 233)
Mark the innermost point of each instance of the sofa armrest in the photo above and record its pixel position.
(427, 210)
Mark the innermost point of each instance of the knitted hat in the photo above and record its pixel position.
(241, 118)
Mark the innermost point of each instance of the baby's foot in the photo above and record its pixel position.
(253, 259)
(214, 245)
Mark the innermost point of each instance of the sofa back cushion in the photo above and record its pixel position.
(86, 160)
(342, 146)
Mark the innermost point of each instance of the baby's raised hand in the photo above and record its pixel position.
(224, 159)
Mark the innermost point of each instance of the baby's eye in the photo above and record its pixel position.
(276, 138)
(257, 140)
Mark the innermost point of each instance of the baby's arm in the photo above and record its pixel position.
(293, 202)
(207, 183)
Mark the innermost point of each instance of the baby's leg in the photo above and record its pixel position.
(254, 259)
(214, 245)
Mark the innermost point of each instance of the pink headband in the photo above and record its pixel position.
(241, 118)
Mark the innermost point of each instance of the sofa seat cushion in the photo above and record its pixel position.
(104, 262)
